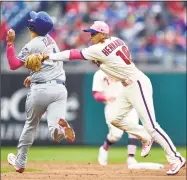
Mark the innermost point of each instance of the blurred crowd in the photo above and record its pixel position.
(13, 13)
(151, 29)
(155, 32)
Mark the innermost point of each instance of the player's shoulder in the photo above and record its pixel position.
(94, 47)
(35, 42)
(91, 50)
(38, 40)
(112, 38)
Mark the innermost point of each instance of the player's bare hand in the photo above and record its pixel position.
(110, 99)
(45, 56)
(10, 36)
(27, 81)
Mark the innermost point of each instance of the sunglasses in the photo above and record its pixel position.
(93, 34)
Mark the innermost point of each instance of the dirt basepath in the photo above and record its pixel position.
(58, 171)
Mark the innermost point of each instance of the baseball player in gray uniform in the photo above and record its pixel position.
(47, 92)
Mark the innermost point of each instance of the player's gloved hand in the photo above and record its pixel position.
(33, 62)
(10, 36)
(27, 81)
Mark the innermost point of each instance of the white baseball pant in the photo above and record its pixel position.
(138, 95)
(129, 123)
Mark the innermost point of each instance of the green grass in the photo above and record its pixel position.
(86, 154)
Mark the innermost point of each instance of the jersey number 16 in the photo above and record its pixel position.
(124, 54)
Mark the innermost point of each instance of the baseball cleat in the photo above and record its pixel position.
(103, 156)
(146, 147)
(175, 167)
(68, 131)
(12, 161)
(58, 137)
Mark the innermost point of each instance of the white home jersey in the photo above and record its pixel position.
(50, 69)
(105, 84)
(114, 57)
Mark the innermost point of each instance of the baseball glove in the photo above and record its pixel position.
(33, 62)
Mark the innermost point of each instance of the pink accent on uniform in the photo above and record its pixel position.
(99, 96)
(106, 79)
(100, 26)
(106, 146)
(13, 61)
(75, 54)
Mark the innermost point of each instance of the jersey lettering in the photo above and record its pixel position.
(106, 79)
(124, 54)
(112, 46)
(48, 40)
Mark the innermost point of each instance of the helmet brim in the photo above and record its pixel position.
(90, 30)
(33, 15)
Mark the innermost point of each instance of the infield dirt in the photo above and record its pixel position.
(58, 171)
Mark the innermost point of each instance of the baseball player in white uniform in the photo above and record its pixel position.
(47, 93)
(106, 90)
(113, 57)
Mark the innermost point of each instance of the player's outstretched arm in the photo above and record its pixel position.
(89, 54)
(34, 61)
(66, 55)
(13, 61)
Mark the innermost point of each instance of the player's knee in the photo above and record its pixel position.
(113, 138)
(114, 118)
(116, 123)
(115, 135)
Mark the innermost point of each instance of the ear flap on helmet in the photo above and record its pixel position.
(31, 26)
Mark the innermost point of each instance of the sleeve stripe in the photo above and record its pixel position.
(83, 55)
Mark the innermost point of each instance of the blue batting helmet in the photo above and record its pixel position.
(40, 23)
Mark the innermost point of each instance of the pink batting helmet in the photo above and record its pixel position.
(98, 26)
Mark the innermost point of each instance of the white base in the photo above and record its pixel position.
(146, 165)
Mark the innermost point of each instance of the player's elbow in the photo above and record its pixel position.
(12, 68)
(15, 65)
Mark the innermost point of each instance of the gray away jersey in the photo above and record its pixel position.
(50, 69)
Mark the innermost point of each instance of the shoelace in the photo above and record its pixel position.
(145, 145)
